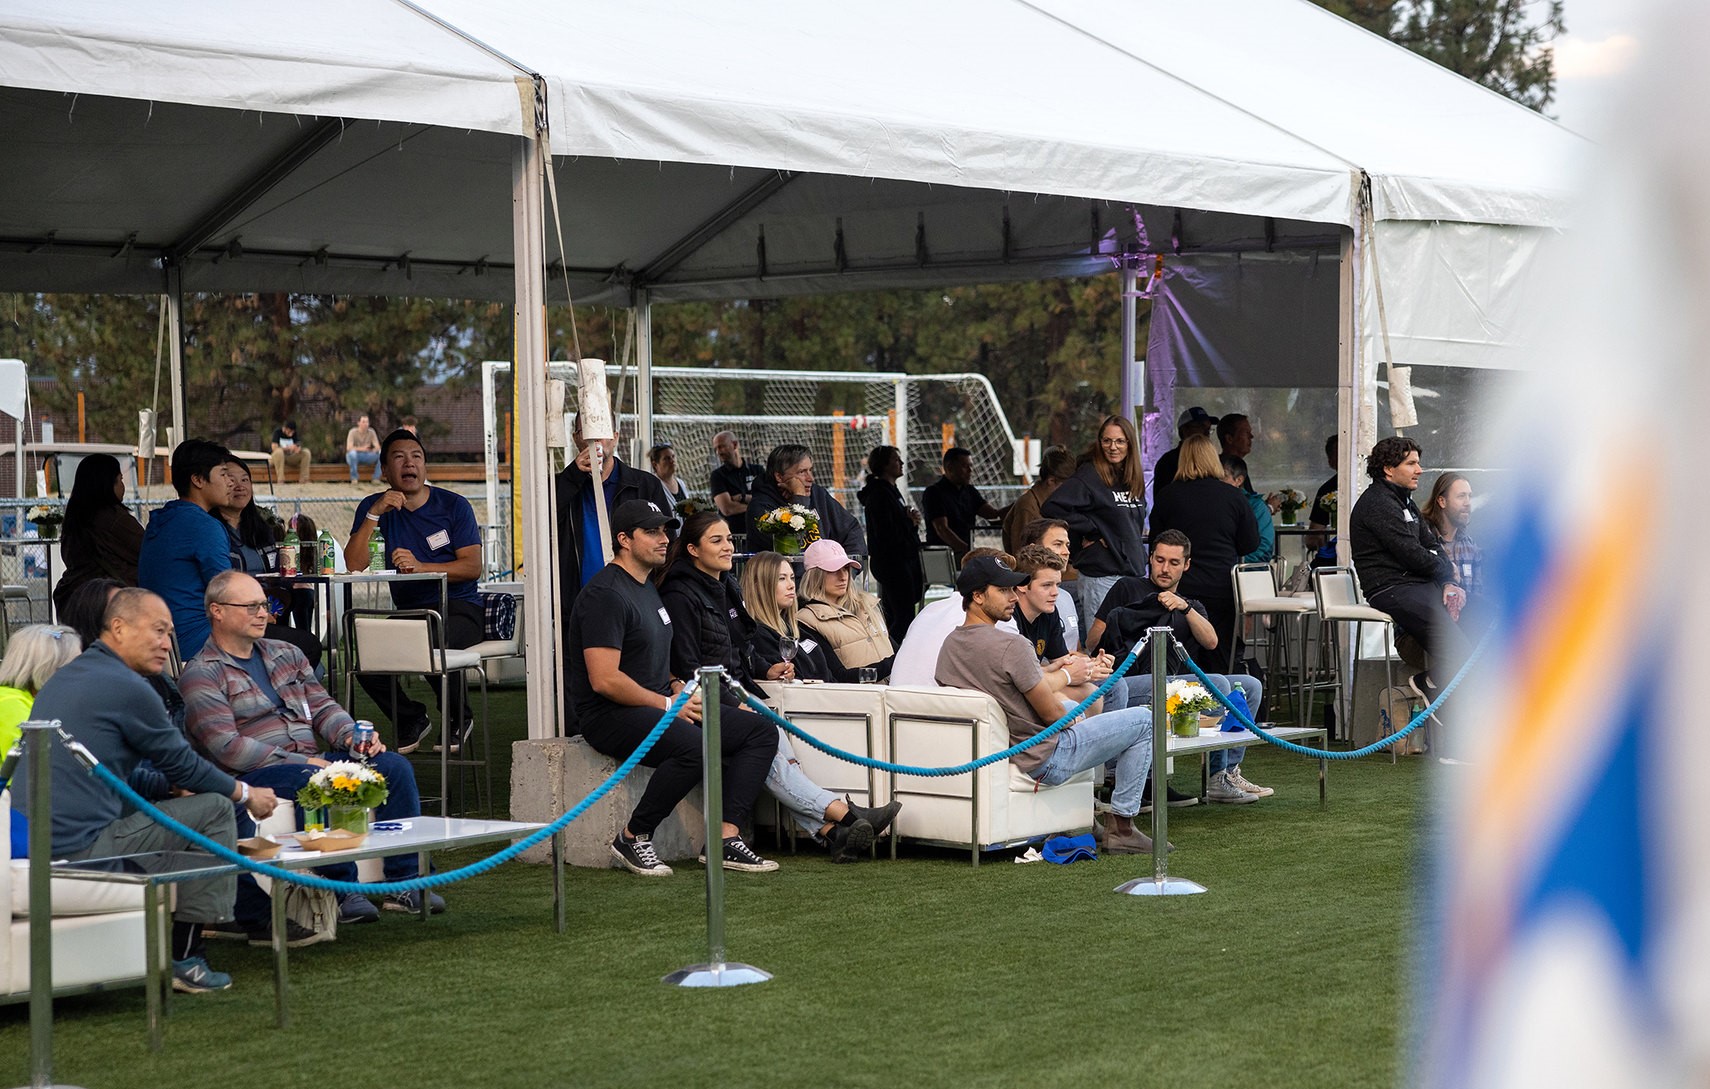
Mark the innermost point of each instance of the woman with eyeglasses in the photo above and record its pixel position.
(254, 544)
(1104, 503)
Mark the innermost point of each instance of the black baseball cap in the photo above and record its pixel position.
(634, 514)
(988, 571)
(1195, 415)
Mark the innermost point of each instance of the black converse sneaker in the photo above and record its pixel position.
(739, 856)
(637, 856)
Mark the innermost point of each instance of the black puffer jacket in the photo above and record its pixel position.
(709, 623)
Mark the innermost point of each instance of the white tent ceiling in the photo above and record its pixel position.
(363, 146)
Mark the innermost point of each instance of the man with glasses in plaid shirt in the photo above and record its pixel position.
(255, 709)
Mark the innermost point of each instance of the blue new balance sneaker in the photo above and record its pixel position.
(193, 976)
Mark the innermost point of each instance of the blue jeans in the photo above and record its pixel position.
(356, 458)
(1124, 736)
(1136, 690)
(805, 799)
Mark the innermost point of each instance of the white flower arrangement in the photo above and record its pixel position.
(794, 520)
(344, 782)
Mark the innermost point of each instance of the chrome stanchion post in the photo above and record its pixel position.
(717, 971)
(38, 745)
(1160, 883)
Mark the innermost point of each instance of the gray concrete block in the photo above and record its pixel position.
(551, 775)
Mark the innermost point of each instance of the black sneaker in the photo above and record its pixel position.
(1421, 685)
(232, 931)
(410, 734)
(637, 856)
(739, 856)
(879, 818)
(847, 842)
(296, 936)
(461, 738)
(1176, 799)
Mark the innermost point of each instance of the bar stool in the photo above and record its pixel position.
(1256, 595)
(1339, 603)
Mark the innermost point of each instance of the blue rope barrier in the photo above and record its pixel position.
(381, 888)
(1252, 727)
(960, 769)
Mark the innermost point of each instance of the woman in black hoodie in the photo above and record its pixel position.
(1104, 504)
(711, 626)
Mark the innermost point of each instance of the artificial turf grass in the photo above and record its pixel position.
(928, 971)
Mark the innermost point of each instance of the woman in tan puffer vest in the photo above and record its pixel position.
(848, 620)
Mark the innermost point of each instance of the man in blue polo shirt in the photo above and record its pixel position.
(426, 529)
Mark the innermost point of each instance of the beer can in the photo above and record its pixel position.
(362, 734)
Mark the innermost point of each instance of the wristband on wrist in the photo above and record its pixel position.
(372, 517)
(243, 792)
(1068, 678)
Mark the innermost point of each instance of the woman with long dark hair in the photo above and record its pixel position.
(100, 539)
(1104, 503)
(255, 551)
(710, 626)
(893, 535)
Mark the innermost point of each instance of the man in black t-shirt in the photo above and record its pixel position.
(951, 505)
(1136, 604)
(619, 650)
(1035, 613)
(732, 481)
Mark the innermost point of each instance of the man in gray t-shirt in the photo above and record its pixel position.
(1002, 664)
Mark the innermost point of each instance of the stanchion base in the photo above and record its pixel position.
(1160, 886)
(729, 974)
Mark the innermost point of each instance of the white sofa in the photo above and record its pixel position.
(992, 809)
(98, 928)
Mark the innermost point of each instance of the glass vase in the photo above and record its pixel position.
(1185, 724)
(350, 818)
(788, 544)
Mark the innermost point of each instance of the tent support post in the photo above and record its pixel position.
(534, 519)
(643, 371)
(1355, 407)
(175, 349)
(1133, 377)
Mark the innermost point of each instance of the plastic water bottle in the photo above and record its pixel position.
(289, 551)
(326, 544)
(376, 550)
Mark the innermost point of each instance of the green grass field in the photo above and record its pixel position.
(1289, 972)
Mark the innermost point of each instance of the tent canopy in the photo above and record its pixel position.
(722, 150)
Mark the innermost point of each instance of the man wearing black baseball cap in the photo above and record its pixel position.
(618, 643)
(1002, 664)
(425, 529)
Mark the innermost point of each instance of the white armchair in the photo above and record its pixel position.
(98, 928)
(988, 810)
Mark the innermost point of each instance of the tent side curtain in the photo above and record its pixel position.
(1223, 320)
(1456, 294)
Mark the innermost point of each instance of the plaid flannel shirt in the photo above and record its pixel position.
(233, 723)
(1468, 559)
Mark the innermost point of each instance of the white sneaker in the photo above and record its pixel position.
(1223, 791)
(1240, 781)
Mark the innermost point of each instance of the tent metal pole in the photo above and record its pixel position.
(1350, 399)
(1133, 378)
(644, 369)
(534, 518)
(175, 353)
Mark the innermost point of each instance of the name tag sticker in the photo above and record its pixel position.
(441, 539)
(663, 615)
(809, 645)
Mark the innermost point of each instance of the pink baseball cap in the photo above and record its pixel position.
(827, 556)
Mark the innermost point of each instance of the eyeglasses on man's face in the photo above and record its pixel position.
(253, 608)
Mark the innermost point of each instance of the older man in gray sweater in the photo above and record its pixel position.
(103, 700)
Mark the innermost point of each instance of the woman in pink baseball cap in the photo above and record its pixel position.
(847, 619)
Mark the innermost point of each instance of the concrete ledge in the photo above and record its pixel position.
(551, 775)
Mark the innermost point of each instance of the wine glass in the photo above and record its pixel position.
(787, 650)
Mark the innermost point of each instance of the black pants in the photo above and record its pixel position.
(1418, 610)
(900, 596)
(748, 742)
(463, 628)
(1221, 612)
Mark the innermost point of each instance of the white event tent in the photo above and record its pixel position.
(719, 149)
